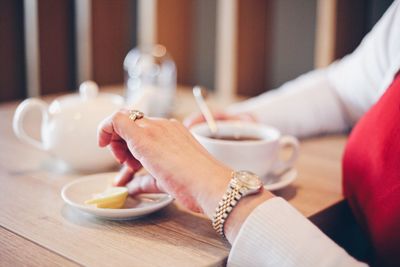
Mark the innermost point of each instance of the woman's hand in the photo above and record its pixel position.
(170, 154)
(143, 182)
(179, 164)
(219, 116)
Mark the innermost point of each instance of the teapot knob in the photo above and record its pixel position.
(88, 90)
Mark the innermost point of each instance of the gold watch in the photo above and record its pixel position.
(243, 183)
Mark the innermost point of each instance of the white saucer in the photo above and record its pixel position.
(76, 192)
(274, 182)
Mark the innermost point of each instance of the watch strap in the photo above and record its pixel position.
(225, 206)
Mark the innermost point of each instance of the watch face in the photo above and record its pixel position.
(248, 179)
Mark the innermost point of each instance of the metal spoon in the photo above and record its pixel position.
(198, 95)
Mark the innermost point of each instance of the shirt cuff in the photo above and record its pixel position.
(276, 234)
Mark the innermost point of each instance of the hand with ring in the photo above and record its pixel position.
(144, 182)
(179, 164)
(169, 153)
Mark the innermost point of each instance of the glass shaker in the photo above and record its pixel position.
(150, 76)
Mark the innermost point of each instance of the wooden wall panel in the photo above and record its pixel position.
(56, 46)
(12, 66)
(175, 32)
(204, 42)
(351, 25)
(325, 33)
(341, 25)
(253, 45)
(114, 34)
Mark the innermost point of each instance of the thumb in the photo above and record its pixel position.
(144, 184)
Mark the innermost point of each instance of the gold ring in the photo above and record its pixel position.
(135, 114)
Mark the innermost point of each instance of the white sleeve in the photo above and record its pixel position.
(276, 234)
(333, 99)
(305, 106)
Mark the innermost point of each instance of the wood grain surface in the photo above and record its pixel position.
(33, 214)
(29, 253)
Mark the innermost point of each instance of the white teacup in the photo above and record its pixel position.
(259, 155)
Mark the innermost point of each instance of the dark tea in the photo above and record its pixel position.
(236, 138)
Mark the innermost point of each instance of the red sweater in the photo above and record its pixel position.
(371, 175)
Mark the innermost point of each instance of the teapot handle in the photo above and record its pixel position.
(23, 108)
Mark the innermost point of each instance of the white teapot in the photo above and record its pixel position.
(69, 126)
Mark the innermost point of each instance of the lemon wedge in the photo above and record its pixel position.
(111, 198)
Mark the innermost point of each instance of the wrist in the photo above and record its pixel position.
(241, 211)
(209, 193)
(243, 194)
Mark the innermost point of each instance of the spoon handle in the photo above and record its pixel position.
(197, 92)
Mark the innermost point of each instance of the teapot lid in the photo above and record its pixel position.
(88, 90)
(88, 98)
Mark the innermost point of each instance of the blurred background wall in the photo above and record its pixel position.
(232, 46)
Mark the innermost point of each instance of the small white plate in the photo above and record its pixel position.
(274, 182)
(78, 191)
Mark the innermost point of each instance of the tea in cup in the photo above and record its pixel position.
(247, 146)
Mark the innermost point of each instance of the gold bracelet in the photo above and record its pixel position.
(243, 183)
(226, 205)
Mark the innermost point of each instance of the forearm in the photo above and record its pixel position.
(335, 98)
(266, 231)
(216, 178)
(275, 234)
(240, 213)
(303, 107)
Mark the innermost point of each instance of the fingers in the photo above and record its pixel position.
(246, 117)
(105, 132)
(119, 149)
(193, 119)
(116, 126)
(144, 183)
(124, 176)
(127, 173)
(199, 118)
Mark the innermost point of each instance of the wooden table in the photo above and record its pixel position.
(37, 228)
